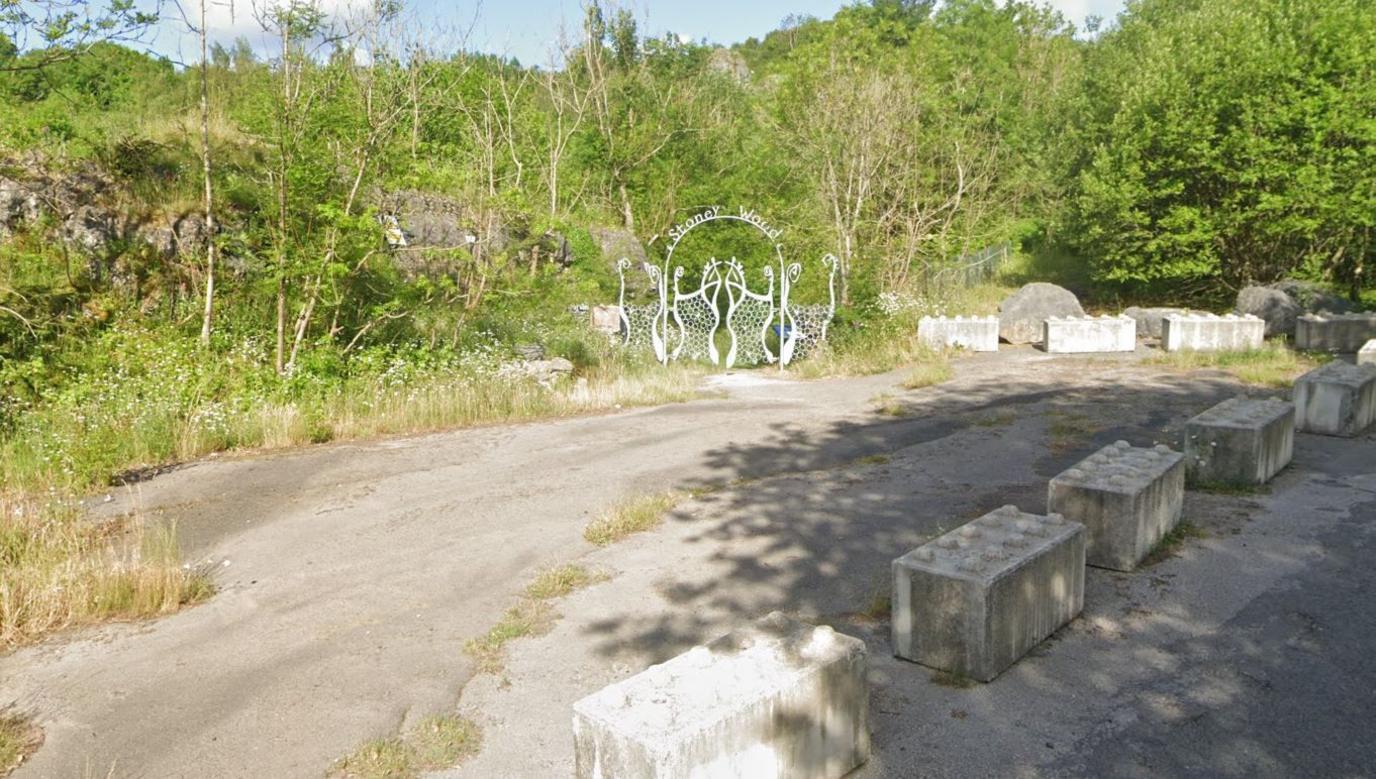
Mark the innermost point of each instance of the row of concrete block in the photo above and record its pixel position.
(1195, 332)
(783, 698)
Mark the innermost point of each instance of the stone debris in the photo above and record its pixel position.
(1334, 332)
(1336, 399)
(1240, 441)
(1211, 332)
(976, 599)
(778, 698)
(1128, 499)
(1084, 334)
(976, 333)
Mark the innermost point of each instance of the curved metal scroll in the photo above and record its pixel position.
(697, 314)
(748, 315)
(803, 328)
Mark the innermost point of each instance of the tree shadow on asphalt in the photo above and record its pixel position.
(816, 541)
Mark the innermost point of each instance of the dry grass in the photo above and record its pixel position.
(58, 570)
(19, 738)
(888, 405)
(435, 744)
(1273, 365)
(631, 516)
(925, 374)
(531, 616)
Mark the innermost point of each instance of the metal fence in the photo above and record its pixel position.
(975, 268)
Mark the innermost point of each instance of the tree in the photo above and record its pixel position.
(65, 29)
(1230, 142)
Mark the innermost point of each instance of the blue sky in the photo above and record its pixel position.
(528, 29)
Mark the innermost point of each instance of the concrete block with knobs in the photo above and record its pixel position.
(1128, 499)
(1240, 441)
(976, 599)
(976, 333)
(1089, 334)
(1336, 399)
(776, 698)
(1334, 332)
(1367, 354)
(1211, 332)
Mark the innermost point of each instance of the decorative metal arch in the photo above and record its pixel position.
(696, 316)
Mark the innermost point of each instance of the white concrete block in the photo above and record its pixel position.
(778, 698)
(1211, 332)
(1334, 332)
(1336, 399)
(1127, 498)
(1082, 334)
(976, 599)
(1367, 355)
(976, 333)
(1240, 441)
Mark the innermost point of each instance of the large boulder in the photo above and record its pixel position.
(1022, 314)
(1149, 318)
(1313, 298)
(1277, 308)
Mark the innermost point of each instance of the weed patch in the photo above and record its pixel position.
(1069, 429)
(436, 743)
(631, 516)
(926, 374)
(1171, 543)
(531, 616)
(956, 681)
(886, 404)
(19, 738)
(873, 459)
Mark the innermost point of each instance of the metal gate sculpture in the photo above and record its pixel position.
(688, 325)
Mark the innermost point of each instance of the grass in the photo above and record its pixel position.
(1229, 488)
(888, 405)
(531, 616)
(953, 680)
(1169, 546)
(925, 374)
(1273, 365)
(19, 738)
(436, 743)
(630, 516)
(873, 459)
(1069, 429)
(58, 570)
(879, 608)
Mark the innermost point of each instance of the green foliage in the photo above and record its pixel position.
(1229, 141)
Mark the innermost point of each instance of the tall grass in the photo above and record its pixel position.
(58, 570)
(1272, 365)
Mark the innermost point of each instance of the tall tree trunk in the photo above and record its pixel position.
(209, 192)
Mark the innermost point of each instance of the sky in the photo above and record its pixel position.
(528, 29)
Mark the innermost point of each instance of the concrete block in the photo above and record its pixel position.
(976, 333)
(777, 698)
(1334, 332)
(1082, 334)
(976, 599)
(1336, 399)
(606, 319)
(1127, 498)
(1240, 441)
(1367, 354)
(1211, 332)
